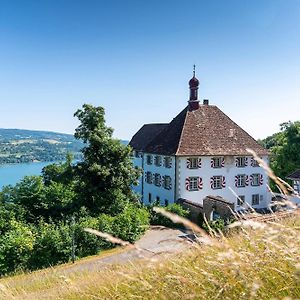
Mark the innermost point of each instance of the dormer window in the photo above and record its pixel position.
(241, 161)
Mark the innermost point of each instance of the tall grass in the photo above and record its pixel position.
(251, 263)
(255, 260)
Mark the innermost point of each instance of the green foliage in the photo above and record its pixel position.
(158, 219)
(216, 225)
(285, 149)
(16, 246)
(106, 172)
(42, 218)
(52, 245)
(86, 243)
(59, 172)
(128, 225)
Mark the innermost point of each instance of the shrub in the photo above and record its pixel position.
(15, 247)
(158, 219)
(86, 243)
(52, 245)
(129, 225)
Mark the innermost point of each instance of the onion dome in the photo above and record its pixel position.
(194, 82)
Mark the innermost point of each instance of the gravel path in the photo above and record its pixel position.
(156, 241)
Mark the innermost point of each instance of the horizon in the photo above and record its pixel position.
(135, 59)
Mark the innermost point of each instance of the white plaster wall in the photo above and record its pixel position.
(229, 171)
(155, 191)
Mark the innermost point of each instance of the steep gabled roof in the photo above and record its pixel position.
(167, 141)
(203, 131)
(145, 135)
(294, 176)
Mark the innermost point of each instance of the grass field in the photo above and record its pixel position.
(255, 261)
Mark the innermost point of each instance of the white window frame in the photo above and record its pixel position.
(167, 182)
(241, 161)
(193, 183)
(241, 180)
(240, 200)
(157, 160)
(149, 177)
(193, 162)
(149, 159)
(217, 182)
(168, 162)
(255, 199)
(217, 162)
(255, 179)
(255, 163)
(157, 179)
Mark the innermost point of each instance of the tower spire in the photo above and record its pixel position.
(194, 85)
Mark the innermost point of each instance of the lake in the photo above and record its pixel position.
(13, 173)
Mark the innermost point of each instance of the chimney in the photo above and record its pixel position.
(205, 101)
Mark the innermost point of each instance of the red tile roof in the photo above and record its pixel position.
(145, 135)
(204, 131)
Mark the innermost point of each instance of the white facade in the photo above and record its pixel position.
(228, 172)
(180, 173)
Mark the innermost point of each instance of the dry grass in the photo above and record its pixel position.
(257, 261)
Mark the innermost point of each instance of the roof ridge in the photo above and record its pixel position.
(180, 139)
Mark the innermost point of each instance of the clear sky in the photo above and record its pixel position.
(135, 58)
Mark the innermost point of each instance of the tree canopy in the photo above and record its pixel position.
(106, 172)
(285, 149)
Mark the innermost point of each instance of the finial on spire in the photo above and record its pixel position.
(194, 70)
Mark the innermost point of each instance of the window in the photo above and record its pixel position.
(157, 160)
(149, 198)
(168, 161)
(217, 162)
(254, 162)
(193, 163)
(240, 180)
(216, 182)
(240, 200)
(157, 200)
(149, 177)
(193, 184)
(166, 202)
(255, 199)
(157, 179)
(255, 179)
(149, 159)
(241, 161)
(138, 154)
(167, 182)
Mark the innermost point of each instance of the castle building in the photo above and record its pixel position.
(200, 153)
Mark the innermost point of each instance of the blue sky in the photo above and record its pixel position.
(135, 58)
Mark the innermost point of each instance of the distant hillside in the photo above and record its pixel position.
(19, 145)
